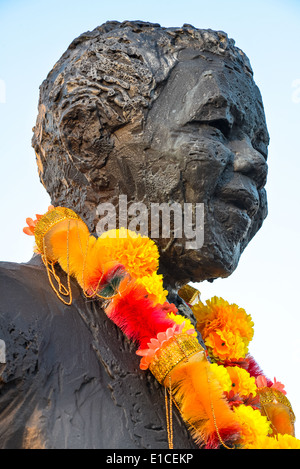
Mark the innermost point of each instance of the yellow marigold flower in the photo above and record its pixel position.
(154, 286)
(138, 254)
(179, 319)
(277, 442)
(253, 425)
(226, 329)
(242, 383)
(222, 376)
(287, 442)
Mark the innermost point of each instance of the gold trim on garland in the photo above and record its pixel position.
(179, 347)
(49, 220)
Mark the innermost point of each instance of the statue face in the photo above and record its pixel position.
(204, 141)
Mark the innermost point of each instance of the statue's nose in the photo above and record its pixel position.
(249, 162)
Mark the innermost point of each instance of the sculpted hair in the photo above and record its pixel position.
(106, 79)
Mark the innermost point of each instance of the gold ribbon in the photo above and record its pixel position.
(179, 347)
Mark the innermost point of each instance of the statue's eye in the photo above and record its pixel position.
(220, 124)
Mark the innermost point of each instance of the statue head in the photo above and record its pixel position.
(162, 116)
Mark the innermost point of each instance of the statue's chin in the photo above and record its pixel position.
(208, 263)
(218, 257)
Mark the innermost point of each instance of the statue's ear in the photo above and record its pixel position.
(84, 137)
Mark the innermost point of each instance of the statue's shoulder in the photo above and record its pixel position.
(22, 290)
(21, 315)
(27, 299)
(21, 273)
(35, 326)
(31, 315)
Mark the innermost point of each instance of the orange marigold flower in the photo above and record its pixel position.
(224, 344)
(226, 329)
(138, 254)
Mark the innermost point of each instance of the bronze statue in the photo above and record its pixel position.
(157, 115)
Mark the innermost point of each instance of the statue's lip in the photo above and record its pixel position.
(242, 193)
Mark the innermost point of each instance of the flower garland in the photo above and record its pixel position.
(222, 395)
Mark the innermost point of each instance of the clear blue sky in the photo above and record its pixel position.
(34, 34)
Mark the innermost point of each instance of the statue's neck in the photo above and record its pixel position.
(169, 282)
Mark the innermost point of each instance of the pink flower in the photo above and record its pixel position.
(279, 386)
(261, 381)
